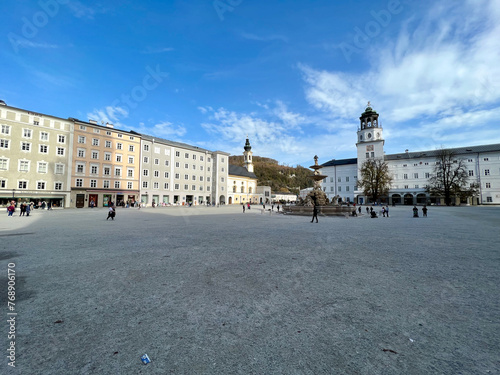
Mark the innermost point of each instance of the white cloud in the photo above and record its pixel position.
(108, 114)
(164, 129)
(29, 44)
(80, 10)
(150, 50)
(265, 38)
(277, 133)
(448, 62)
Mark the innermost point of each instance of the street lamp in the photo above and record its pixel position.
(13, 192)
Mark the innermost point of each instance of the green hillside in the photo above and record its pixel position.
(281, 178)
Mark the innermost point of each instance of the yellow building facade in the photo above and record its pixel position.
(242, 182)
(35, 154)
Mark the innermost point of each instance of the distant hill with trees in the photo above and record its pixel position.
(281, 178)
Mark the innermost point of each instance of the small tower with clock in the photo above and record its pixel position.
(370, 142)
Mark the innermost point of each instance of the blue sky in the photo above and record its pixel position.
(292, 75)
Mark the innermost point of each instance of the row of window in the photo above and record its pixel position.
(106, 170)
(242, 189)
(106, 184)
(347, 188)
(26, 147)
(339, 179)
(145, 173)
(428, 175)
(40, 185)
(339, 188)
(24, 166)
(156, 185)
(157, 150)
(94, 154)
(436, 163)
(156, 161)
(415, 176)
(28, 133)
(108, 144)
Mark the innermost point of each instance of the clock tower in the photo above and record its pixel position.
(370, 142)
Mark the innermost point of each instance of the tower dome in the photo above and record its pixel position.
(247, 145)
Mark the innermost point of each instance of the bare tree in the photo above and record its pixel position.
(450, 178)
(375, 179)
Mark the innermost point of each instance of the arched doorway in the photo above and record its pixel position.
(230, 200)
(421, 199)
(408, 199)
(222, 199)
(396, 199)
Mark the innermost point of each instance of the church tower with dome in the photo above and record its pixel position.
(247, 155)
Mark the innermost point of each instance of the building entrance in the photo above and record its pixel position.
(93, 198)
(80, 200)
(120, 200)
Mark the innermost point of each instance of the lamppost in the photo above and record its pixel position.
(13, 192)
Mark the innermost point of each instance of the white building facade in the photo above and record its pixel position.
(178, 173)
(410, 170)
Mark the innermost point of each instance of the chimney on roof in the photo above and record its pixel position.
(92, 121)
(108, 125)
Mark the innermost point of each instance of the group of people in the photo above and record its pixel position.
(370, 211)
(424, 211)
(25, 208)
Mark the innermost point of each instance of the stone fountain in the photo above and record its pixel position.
(317, 197)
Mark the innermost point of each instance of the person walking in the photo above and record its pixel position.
(387, 211)
(383, 211)
(11, 209)
(22, 210)
(27, 210)
(367, 210)
(278, 207)
(315, 213)
(359, 210)
(424, 211)
(111, 213)
(243, 208)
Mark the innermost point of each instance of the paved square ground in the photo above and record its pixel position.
(215, 291)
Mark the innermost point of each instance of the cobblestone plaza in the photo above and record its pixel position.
(207, 290)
